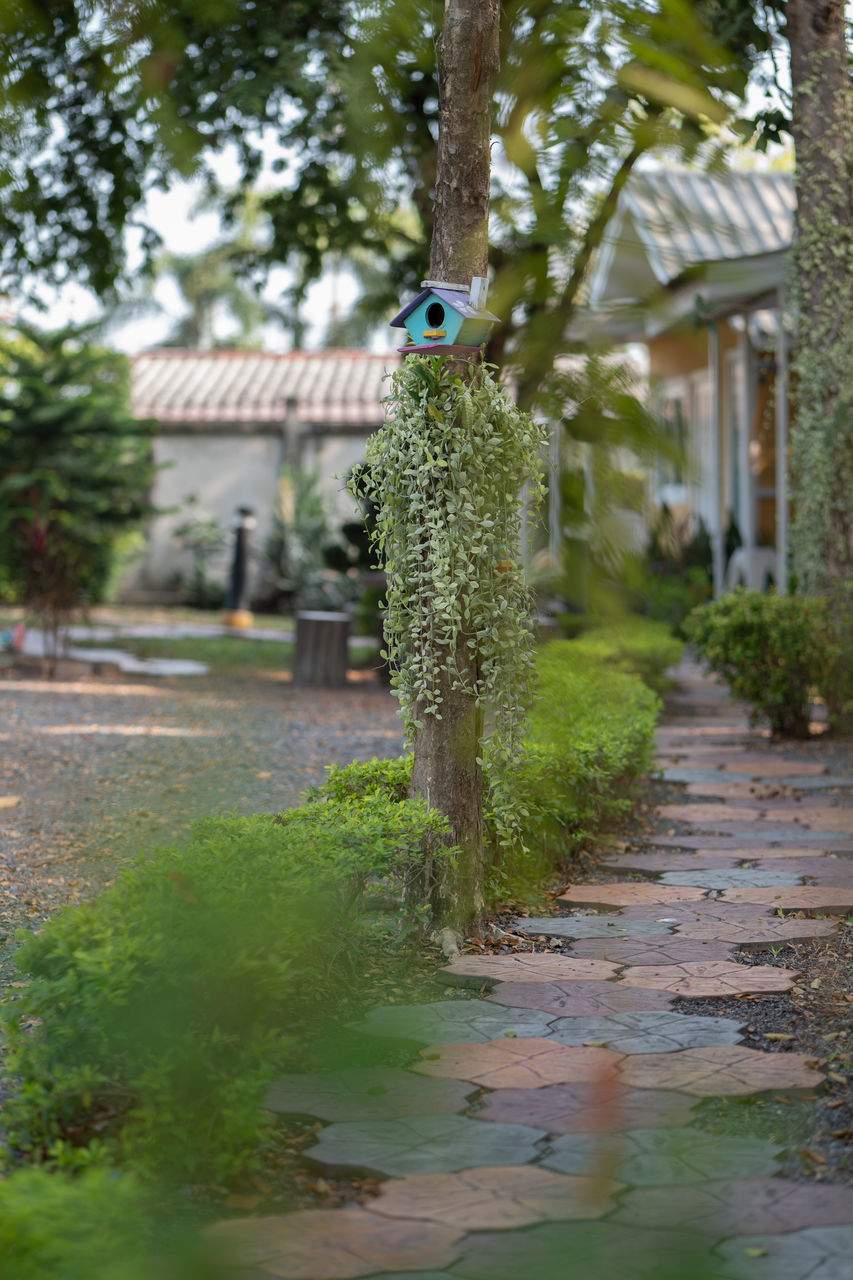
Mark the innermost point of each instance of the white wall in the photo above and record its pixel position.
(224, 472)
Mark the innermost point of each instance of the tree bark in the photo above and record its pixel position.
(446, 773)
(821, 455)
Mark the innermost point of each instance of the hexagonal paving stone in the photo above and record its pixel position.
(745, 844)
(736, 878)
(707, 813)
(583, 1250)
(333, 1244)
(721, 787)
(422, 1144)
(517, 1064)
(363, 1093)
(749, 1205)
(792, 852)
(628, 894)
(757, 932)
(660, 1032)
(765, 830)
(720, 1071)
(676, 913)
(604, 1106)
(665, 1157)
(582, 1001)
(584, 926)
(798, 898)
(453, 1020)
(670, 949)
(653, 863)
(825, 871)
(767, 767)
(817, 1253)
(527, 966)
(714, 978)
(495, 1198)
(815, 818)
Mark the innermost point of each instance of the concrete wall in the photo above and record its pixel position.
(211, 474)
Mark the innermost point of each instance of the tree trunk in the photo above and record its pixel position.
(821, 456)
(821, 117)
(446, 773)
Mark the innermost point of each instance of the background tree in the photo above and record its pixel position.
(822, 301)
(105, 101)
(447, 770)
(77, 469)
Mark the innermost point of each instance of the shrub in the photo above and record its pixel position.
(76, 468)
(89, 1227)
(772, 650)
(639, 646)
(158, 1013)
(590, 739)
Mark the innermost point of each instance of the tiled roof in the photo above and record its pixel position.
(676, 219)
(336, 388)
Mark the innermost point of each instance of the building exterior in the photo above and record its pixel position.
(227, 422)
(694, 267)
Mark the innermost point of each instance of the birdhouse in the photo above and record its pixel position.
(447, 318)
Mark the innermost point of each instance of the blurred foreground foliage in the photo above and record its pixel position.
(97, 1225)
(158, 1013)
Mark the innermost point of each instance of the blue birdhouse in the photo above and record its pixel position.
(447, 317)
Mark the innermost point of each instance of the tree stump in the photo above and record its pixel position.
(321, 649)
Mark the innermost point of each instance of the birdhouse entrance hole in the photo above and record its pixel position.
(435, 314)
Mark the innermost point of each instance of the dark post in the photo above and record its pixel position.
(237, 612)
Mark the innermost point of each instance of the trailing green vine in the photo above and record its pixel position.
(446, 473)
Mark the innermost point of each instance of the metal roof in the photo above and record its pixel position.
(669, 220)
(336, 388)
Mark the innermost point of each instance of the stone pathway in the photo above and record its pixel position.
(550, 1119)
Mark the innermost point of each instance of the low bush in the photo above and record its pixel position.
(773, 650)
(157, 1014)
(637, 645)
(89, 1227)
(590, 739)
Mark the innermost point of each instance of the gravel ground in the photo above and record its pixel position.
(94, 770)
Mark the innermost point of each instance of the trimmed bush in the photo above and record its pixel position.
(590, 739)
(89, 1227)
(637, 645)
(158, 1013)
(772, 650)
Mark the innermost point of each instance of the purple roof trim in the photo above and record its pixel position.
(455, 298)
(440, 349)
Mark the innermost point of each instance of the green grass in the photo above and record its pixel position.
(223, 653)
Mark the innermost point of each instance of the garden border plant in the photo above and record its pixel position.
(774, 651)
(444, 473)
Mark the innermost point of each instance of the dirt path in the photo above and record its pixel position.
(93, 771)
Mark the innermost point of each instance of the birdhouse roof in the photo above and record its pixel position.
(457, 299)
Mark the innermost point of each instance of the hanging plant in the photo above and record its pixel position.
(447, 470)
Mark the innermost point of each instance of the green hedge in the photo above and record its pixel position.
(158, 1013)
(637, 645)
(92, 1226)
(774, 652)
(590, 739)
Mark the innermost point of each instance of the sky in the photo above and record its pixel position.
(184, 229)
